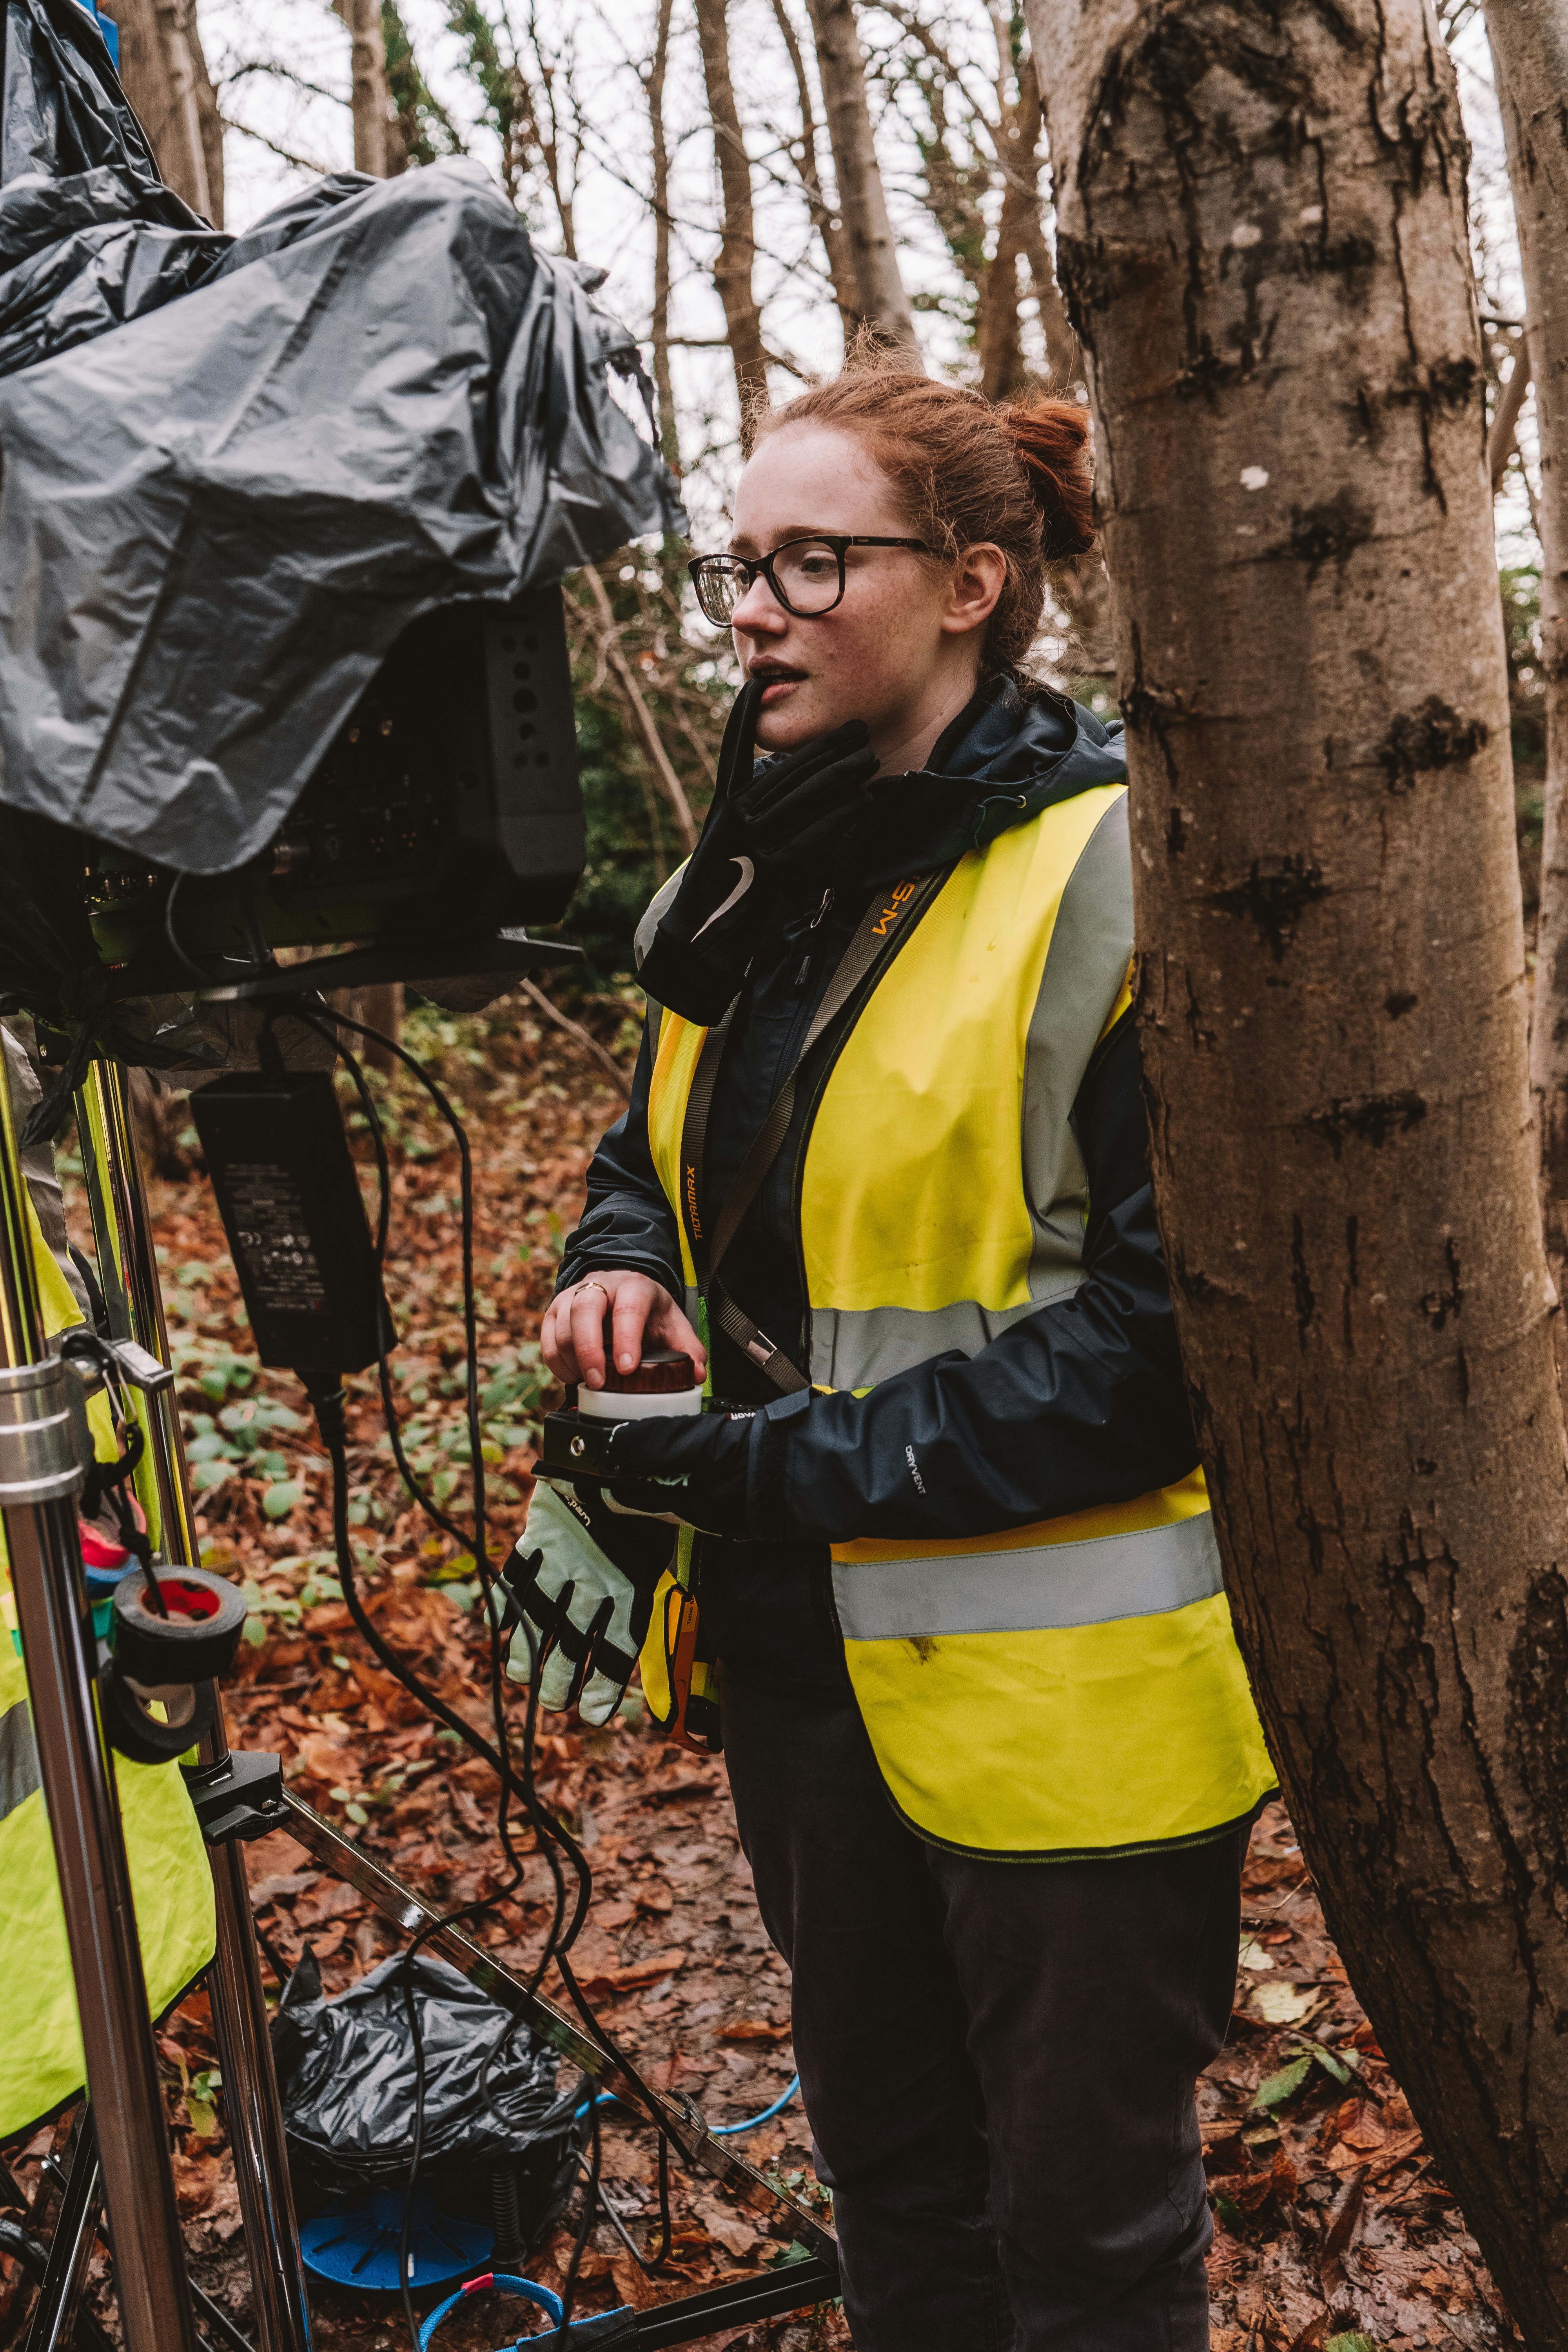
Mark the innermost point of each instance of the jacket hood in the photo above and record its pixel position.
(1011, 752)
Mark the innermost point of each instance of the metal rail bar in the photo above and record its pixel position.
(53, 2324)
(61, 1658)
(122, 1233)
(410, 1911)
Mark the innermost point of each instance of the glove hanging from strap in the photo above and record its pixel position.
(802, 812)
(584, 1575)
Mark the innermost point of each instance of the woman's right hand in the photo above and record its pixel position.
(571, 1335)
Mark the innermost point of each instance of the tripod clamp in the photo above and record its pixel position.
(38, 1458)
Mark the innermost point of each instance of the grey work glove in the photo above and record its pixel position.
(583, 1576)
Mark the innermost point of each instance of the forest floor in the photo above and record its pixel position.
(1331, 2223)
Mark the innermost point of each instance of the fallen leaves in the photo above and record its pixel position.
(1302, 2126)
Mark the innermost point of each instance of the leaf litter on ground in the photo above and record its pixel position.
(1332, 2229)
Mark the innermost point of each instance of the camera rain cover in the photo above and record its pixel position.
(234, 467)
(346, 2077)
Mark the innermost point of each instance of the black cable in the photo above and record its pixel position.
(405, 2237)
(272, 1955)
(203, 979)
(549, 1832)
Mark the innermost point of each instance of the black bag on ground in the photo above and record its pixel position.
(345, 2073)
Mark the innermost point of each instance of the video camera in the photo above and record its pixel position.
(446, 815)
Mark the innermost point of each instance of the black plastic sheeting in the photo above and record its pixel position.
(235, 467)
(345, 2073)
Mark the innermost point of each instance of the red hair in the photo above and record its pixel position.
(965, 471)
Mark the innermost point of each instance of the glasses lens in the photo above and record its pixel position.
(720, 584)
(808, 576)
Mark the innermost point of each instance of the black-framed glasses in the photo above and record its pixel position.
(806, 575)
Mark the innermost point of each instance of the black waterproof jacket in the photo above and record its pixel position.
(1080, 1403)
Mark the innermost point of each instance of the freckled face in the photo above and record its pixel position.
(879, 654)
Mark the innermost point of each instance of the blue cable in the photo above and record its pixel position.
(722, 2131)
(505, 2283)
(718, 2131)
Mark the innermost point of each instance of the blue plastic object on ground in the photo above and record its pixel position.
(504, 2283)
(356, 2245)
(718, 2131)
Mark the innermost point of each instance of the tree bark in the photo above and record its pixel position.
(1503, 434)
(998, 332)
(826, 218)
(862, 205)
(737, 244)
(669, 434)
(371, 98)
(165, 75)
(1263, 244)
(1530, 56)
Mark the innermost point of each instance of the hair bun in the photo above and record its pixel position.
(1050, 441)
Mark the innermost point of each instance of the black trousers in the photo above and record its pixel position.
(997, 2059)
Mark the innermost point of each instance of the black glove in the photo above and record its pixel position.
(802, 811)
(694, 1468)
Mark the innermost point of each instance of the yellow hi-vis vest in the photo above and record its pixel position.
(1063, 1690)
(41, 2063)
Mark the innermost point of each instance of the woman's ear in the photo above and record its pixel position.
(978, 578)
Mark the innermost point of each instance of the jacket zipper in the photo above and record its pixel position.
(804, 974)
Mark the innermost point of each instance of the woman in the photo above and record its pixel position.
(992, 1750)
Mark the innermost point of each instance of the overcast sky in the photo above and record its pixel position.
(283, 70)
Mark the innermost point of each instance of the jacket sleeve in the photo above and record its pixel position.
(627, 1221)
(1080, 1404)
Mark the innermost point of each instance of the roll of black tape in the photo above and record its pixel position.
(194, 1643)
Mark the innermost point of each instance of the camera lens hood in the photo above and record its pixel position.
(194, 1643)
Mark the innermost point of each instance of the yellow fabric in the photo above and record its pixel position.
(913, 1190)
(1124, 1001)
(1137, 1731)
(1166, 1506)
(681, 1045)
(143, 1479)
(1150, 1737)
(40, 2041)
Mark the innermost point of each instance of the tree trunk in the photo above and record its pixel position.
(669, 434)
(828, 221)
(1530, 56)
(370, 99)
(737, 244)
(1263, 244)
(998, 332)
(165, 75)
(1502, 435)
(863, 207)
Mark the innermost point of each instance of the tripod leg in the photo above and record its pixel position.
(123, 1236)
(38, 1483)
(59, 2300)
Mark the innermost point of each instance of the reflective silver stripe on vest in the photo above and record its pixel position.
(1085, 963)
(916, 1597)
(18, 1758)
(856, 1347)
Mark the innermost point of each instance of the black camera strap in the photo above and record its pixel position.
(885, 921)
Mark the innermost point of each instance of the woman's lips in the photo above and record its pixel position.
(777, 684)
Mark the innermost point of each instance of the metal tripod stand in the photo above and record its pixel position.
(236, 1797)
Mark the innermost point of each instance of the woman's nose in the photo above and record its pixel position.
(759, 612)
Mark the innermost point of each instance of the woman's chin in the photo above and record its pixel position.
(789, 718)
